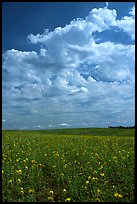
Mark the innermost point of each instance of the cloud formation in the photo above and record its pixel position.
(72, 75)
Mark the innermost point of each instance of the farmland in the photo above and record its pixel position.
(76, 165)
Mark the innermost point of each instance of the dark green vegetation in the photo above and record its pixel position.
(84, 131)
(77, 165)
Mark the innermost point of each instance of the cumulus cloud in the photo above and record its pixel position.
(96, 21)
(72, 73)
(127, 23)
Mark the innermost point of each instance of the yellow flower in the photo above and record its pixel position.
(26, 167)
(40, 165)
(97, 200)
(33, 162)
(2, 171)
(64, 190)
(87, 182)
(19, 171)
(21, 190)
(102, 174)
(94, 178)
(101, 167)
(31, 190)
(89, 177)
(50, 198)
(118, 195)
(19, 180)
(10, 181)
(51, 192)
(98, 190)
(56, 154)
(67, 199)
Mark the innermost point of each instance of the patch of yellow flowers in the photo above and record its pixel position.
(118, 195)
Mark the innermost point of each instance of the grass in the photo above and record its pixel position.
(74, 165)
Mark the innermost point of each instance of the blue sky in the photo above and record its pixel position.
(68, 64)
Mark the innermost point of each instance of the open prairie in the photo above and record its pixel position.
(76, 165)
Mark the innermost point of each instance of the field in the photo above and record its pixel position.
(70, 165)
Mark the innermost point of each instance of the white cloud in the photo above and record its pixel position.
(101, 18)
(73, 73)
(106, 4)
(81, 29)
(64, 124)
(132, 12)
(127, 23)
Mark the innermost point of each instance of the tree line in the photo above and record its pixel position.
(123, 127)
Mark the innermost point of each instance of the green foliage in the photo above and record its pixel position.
(68, 165)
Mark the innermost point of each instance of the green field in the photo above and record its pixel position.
(76, 165)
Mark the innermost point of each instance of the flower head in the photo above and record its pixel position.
(98, 190)
(94, 178)
(89, 177)
(10, 181)
(33, 162)
(118, 195)
(87, 182)
(19, 181)
(51, 192)
(31, 190)
(67, 199)
(19, 171)
(98, 200)
(26, 167)
(50, 198)
(64, 190)
(22, 190)
(40, 165)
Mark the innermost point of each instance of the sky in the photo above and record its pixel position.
(68, 64)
